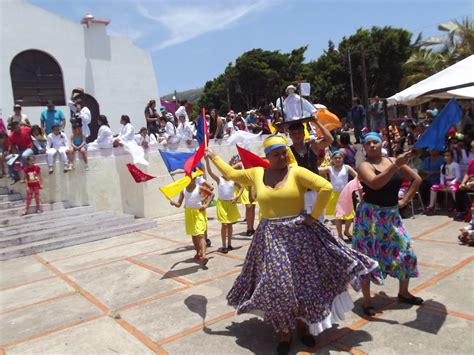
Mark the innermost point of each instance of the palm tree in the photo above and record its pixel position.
(422, 64)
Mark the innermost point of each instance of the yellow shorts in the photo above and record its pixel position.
(195, 221)
(227, 212)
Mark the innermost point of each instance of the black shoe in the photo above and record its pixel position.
(459, 217)
(369, 311)
(411, 300)
(283, 347)
(230, 248)
(249, 233)
(208, 243)
(224, 250)
(308, 340)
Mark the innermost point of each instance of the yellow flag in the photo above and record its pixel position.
(176, 187)
(272, 128)
(306, 131)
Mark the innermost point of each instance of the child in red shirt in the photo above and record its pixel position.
(33, 184)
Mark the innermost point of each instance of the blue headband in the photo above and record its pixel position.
(372, 135)
(273, 147)
(336, 152)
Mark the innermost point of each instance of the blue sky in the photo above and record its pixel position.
(192, 41)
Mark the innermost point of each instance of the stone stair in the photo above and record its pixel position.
(59, 226)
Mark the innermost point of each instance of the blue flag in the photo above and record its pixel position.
(175, 160)
(201, 128)
(433, 138)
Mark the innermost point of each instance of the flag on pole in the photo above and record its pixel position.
(138, 175)
(202, 134)
(175, 160)
(433, 138)
(194, 160)
(176, 187)
(250, 160)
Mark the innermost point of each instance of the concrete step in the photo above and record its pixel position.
(4, 190)
(74, 239)
(50, 216)
(4, 205)
(10, 197)
(17, 210)
(55, 231)
(70, 221)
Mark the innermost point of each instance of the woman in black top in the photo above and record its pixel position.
(378, 228)
(151, 117)
(216, 127)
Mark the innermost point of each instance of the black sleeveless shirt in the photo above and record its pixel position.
(308, 160)
(387, 196)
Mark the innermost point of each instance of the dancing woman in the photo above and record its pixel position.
(295, 271)
(378, 228)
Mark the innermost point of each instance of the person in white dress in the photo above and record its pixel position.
(105, 137)
(57, 143)
(169, 136)
(126, 139)
(184, 131)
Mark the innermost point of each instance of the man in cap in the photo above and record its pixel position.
(294, 106)
(52, 117)
(19, 117)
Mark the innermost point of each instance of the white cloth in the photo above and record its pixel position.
(200, 180)
(104, 138)
(339, 179)
(85, 115)
(296, 107)
(192, 199)
(57, 141)
(180, 112)
(185, 131)
(127, 133)
(51, 152)
(226, 189)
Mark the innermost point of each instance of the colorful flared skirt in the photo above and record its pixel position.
(379, 233)
(293, 271)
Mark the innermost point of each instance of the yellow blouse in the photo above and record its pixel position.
(286, 200)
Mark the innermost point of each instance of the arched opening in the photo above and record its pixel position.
(36, 78)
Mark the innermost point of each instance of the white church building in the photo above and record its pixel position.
(44, 56)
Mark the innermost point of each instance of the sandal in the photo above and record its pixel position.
(411, 300)
(369, 311)
(230, 248)
(224, 250)
(24, 213)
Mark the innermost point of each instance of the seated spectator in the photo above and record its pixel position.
(81, 115)
(169, 132)
(143, 139)
(52, 117)
(151, 117)
(430, 174)
(127, 132)
(20, 143)
(19, 117)
(216, 126)
(184, 131)
(3, 129)
(57, 143)
(239, 123)
(182, 110)
(449, 180)
(253, 124)
(263, 123)
(78, 144)
(104, 136)
(39, 139)
(462, 198)
(4, 147)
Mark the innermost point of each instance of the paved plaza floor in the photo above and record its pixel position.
(142, 293)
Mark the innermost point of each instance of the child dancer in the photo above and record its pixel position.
(450, 178)
(227, 211)
(33, 184)
(195, 217)
(339, 176)
(78, 144)
(247, 199)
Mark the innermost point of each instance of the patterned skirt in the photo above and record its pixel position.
(379, 233)
(293, 271)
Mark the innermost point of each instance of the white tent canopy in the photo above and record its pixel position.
(454, 81)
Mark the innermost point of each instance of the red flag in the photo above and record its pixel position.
(250, 160)
(138, 175)
(194, 159)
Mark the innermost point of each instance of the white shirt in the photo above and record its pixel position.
(226, 189)
(296, 107)
(181, 111)
(339, 179)
(452, 174)
(170, 130)
(85, 115)
(192, 199)
(140, 139)
(57, 141)
(104, 135)
(185, 131)
(127, 133)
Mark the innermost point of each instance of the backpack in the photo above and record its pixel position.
(76, 119)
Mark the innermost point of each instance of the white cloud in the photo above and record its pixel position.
(187, 20)
(131, 33)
